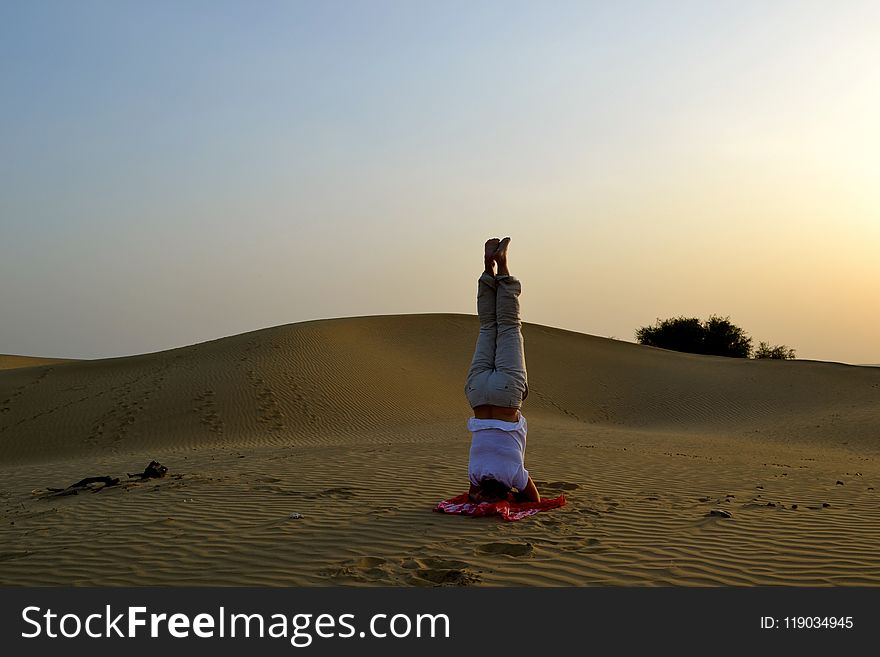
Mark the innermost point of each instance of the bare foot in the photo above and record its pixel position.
(500, 257)
(489, 257)
(500, 254)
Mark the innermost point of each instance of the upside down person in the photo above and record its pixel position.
(496, 386)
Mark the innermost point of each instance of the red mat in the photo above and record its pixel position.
(508, 510)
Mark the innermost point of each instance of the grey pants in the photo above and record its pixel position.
(497, 375)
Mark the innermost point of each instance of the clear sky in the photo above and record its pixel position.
(173, 172)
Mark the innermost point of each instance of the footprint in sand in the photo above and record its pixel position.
(206, 407)
(511, 549)
(443, 577)
(364, 569)
(369, 562)
(431, 571)
(425, 571)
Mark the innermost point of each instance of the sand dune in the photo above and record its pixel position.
(358, 424)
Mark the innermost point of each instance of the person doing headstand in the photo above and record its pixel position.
(497, 385)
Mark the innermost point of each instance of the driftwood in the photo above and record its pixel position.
(82, 483)
(154, 470)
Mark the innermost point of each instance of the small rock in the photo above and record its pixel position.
(794, 506)
(839, 483)
(295, 516)
(771, 504)
(825, 505)
(761, 487)
(720, 513)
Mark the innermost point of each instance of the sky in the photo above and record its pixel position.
(175, 172)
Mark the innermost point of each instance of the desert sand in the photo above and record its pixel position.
(358, 425)
(10, 362)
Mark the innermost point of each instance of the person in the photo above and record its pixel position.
(496, 386)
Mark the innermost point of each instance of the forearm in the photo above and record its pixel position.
(530, 492)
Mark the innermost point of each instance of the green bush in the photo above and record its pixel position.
(717, 336)
(776, 352)
(678, 334)
(722, 338)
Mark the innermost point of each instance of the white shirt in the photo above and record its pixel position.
(498, 450)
